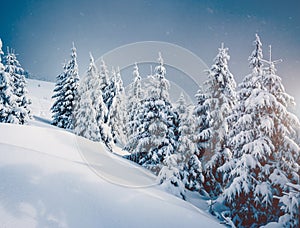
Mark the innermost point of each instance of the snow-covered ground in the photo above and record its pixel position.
(52, 178)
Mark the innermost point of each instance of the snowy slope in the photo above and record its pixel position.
(45, 181)
(52, 178)
(40, 93)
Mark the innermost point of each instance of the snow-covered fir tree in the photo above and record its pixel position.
(17, 76)
(107, 86)
(176, 172)
(202, 130)
(285, 126)
(7, 98)
(220, 101)
(65, 93)
(188, 163)
(112, 88)
(285, 166)
(170, 176)
(117, 113)
(254, 173)
(86, 123)
(100, 107)
(156, 139)
(249, 194)
(92, 126)
(13, 94)
(135, 95)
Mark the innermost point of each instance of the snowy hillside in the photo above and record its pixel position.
(40, 93)
(52, 178)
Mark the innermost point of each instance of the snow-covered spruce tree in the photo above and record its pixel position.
(285, 127)
(249, 193)
(285, 166)
(117, 113)
(112, 88)
(92, 125)
(65, 93)
(170, 176)
(7, 100)
(135, 95)
(107, 86)
(9, 108)
(155, 139)
(175, 173)
(202, 130)
(17, 76)
(255, 176)
(220, 101)
(100, 107)
(85, 113)
(189, 164)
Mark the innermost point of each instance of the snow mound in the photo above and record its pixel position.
(51, 178)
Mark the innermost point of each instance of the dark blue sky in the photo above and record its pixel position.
(42, 31)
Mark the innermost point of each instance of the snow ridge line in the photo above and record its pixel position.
(105, 178)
